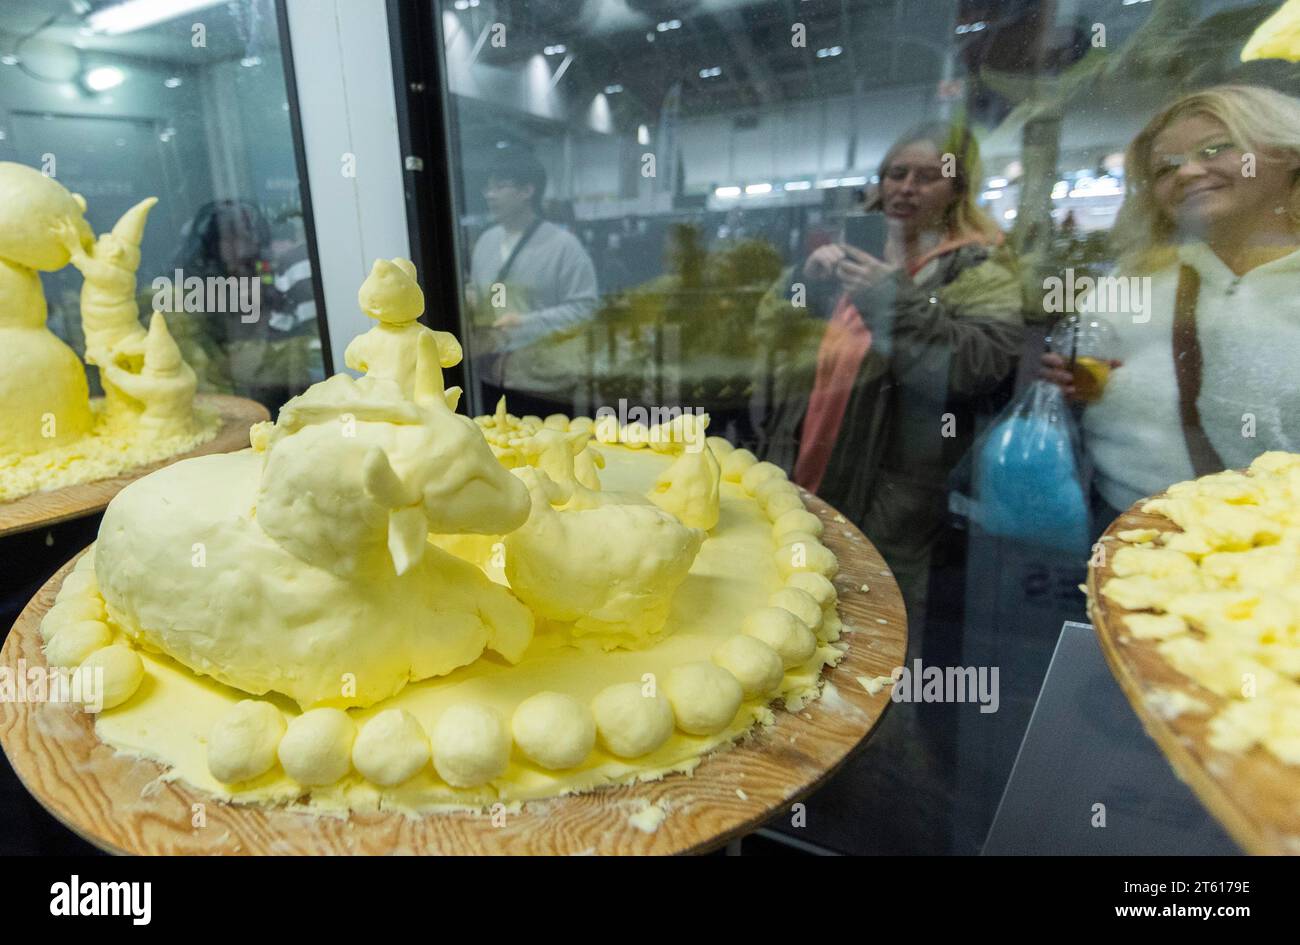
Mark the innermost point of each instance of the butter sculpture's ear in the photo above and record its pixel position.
(452, 396)
(542, 487)
(383, 484)
(408, 536)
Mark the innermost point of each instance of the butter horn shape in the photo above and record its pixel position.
(110, 314)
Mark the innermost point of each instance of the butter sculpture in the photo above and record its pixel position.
(317, 579)
(1222, 597)
(44, 397)
(51, 434)
(369, 548)
(689, 487)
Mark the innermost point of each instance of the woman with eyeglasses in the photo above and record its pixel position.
(1205, 377)
(919, 335)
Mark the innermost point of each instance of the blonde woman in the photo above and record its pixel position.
(914, 339)
(1206, 372)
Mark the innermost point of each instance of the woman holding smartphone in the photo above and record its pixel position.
(1205, 375)
(918, 334)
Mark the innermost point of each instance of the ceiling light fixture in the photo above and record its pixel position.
(103, 78)
(131, 15)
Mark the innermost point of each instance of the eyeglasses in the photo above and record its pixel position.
(924, 175)
(1220, 152)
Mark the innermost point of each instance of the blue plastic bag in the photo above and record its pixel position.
(1027, 480)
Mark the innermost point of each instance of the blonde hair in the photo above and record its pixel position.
(963, 218)
(1258, 120)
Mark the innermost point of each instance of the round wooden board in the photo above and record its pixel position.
(86, 498)
(1254, 796)
(121, 805)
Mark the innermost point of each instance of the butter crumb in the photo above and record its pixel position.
(741, 794)
(875, 684)
(648, 818)
(1136, 535)
(1171, 703)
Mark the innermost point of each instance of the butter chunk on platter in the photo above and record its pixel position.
(1204, 728)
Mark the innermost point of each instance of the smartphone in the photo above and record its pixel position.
(866, 231)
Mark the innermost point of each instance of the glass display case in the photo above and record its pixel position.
(927, 256)
(123, 104)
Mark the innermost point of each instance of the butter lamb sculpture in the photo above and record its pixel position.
(303, 566)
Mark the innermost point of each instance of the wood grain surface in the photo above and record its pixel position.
(58, 505)
(1254, 796)
(122, 804)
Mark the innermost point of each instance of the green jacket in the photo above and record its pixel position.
(942, 346)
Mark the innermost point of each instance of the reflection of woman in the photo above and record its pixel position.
(1205, 377)
(915, 339)
(270, 356)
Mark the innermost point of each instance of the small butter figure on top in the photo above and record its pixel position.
(392, 297)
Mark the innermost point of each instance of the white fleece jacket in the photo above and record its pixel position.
(1249, 329)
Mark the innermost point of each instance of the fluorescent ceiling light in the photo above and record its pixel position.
(853, 181)
(758, 189)
(132, 15)
(172, 82)
(991, 195)
(726, 192)
(798, 185)
(103, 78)
(613, 89)
(828, 182)
(998, 182)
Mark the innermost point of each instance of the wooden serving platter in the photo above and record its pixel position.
(1254, 796)
(58, 505)
(121, 804)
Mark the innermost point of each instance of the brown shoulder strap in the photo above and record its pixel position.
(1187, 369)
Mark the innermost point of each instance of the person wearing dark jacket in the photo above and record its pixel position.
(916, 341)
